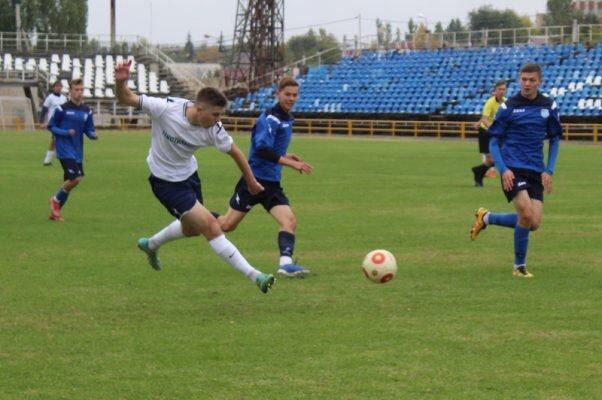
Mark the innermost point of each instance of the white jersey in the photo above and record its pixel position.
(51, 102)
(174, 140)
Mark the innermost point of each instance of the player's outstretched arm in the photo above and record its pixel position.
(124, 95)
(241, 161)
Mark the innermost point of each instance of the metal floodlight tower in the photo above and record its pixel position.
(258, 46)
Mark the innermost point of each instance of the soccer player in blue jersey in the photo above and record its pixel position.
(70, 122)
(270, 139)
(54, 99)
(517, 142)
(180, 127)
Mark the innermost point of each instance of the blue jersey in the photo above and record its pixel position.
(520, 127)
(71, 116)
(273, 129)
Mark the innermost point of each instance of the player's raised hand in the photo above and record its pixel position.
(122, 70)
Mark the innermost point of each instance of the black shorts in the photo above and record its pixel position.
(71, 169)
(525, 179)
(177, 197)
(272, 196)
(483, 141)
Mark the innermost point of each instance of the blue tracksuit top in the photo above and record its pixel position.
(71, 116)
(273, 128)
(520, 127)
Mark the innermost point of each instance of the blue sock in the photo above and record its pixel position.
(521, 243)
(62, 195)
(508, 220)
(286, 243)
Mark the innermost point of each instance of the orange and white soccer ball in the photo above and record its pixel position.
(380, 266)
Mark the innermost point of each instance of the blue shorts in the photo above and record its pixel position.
(525, 179)
(177, 197)
(71, 169)
(272, 196)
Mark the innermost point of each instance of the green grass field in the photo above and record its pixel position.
(82, 315)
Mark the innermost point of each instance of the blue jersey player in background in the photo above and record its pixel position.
(69, 124)
(516, 145)
(270, 139)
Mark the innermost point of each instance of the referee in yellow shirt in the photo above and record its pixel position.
(489, 111)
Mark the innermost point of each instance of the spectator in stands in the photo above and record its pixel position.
(270, 139)
(517, 141)
(489, 110)
(68, 125)
(179, 128)
(54, 99)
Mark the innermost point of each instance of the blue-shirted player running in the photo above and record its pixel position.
(517, 142)
(270, 139)
(69, 124)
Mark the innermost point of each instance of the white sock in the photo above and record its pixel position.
(226, 250)
(49, 155)
(171, 232)
(285, 260)
(486, 219)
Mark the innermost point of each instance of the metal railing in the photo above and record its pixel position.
(337, 127)
(192, 82)
(505, 37)
(60, 42)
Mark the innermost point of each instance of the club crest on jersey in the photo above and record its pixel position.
(545, 113)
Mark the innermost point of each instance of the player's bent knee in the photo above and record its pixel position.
(289, 224)
(211, 229)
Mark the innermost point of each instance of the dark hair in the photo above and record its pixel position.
(211, 96)
(57, 83)
(287, 81)
(530, 68)
(499, 83)
(75, 82)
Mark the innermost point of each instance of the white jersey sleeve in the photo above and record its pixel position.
(223, 140)
(153, 106)
(52, 102)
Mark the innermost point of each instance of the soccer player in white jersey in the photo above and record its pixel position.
(179, 128)
(54, 99)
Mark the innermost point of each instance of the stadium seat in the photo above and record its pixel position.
(163, 87)
(19, 64)
(66, 63)
(7, 64)
(43, 65)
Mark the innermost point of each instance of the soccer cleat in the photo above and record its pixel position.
(57, 218)
(153, 258)
(292, 271)
(265, 282)
(55, 209)
(491, 173)
(479, 223)
(521, 272)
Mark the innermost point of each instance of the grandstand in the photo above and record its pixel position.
(446, 81)
(48, 58)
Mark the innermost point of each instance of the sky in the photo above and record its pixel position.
(170, 21)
